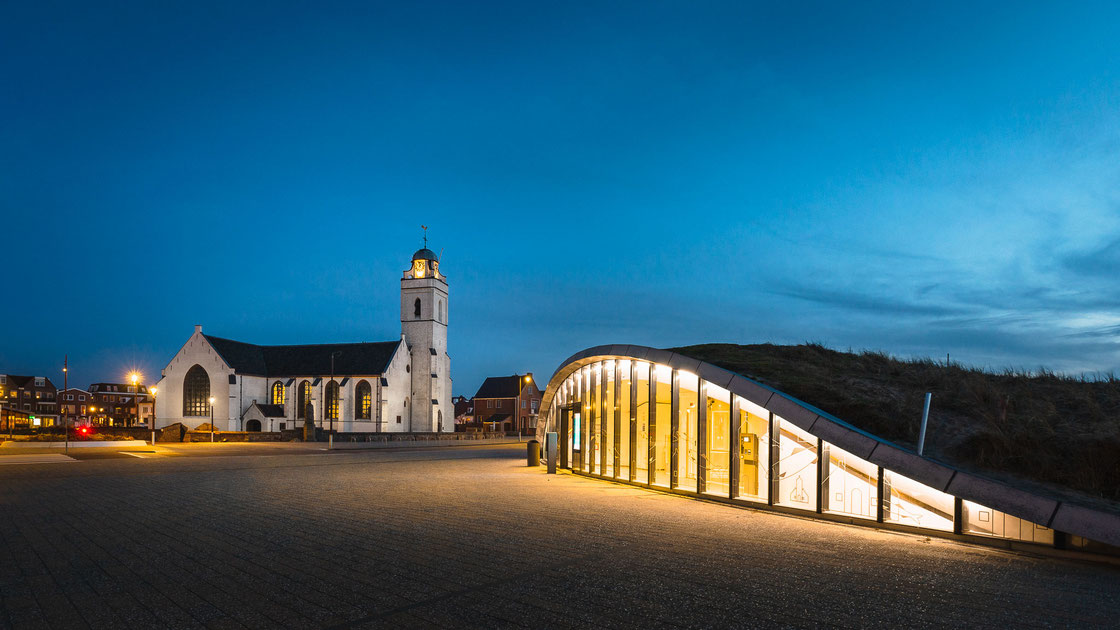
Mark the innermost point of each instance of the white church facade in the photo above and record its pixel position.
(402, 385)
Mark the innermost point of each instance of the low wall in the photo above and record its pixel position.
(385, 438)
(234, 436)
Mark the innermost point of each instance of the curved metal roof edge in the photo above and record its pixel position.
(1051, 512)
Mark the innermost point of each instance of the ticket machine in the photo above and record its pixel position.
(748, 462)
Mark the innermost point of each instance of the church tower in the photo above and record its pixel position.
(424, 327)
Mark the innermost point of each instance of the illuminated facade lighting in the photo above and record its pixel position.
(667, 422)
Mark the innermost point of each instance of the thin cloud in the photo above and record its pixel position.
(864, 302)
(1102, 262)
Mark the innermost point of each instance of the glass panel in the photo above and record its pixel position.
(797, 467)
(641, 472)
(754, 450)
(663, 406)
(585, 399)
(914, 504)
(596, 412)
(985, 521)
(623, 398)
(609, 418)
(717, 449)
(851, 485)
(687, 429)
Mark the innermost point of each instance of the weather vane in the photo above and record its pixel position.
(425, 236)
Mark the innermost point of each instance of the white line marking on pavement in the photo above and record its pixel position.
(45, 458)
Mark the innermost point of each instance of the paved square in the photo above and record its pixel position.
(471, 537)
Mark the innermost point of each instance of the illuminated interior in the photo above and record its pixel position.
(648, 424)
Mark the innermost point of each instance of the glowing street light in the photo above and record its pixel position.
(153, 390)
(135, 378)
(517, 405)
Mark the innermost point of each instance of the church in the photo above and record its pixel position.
(401, 385)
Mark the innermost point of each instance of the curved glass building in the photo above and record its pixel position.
(673, 423)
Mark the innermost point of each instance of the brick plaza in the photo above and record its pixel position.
(471, 537)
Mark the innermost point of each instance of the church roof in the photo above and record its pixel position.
(271, 411)
(353, 359)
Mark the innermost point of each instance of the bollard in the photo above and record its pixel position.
(534, 453)
(550, 441)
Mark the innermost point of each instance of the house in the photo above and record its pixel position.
(508, 403)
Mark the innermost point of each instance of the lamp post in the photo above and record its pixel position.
(152, 422)
(135, 378)
(211, 419)
(65, 386)
(517, 405)
(332, 405)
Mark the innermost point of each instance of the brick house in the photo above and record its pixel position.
(74, 406)
(464, 410)
(508, 403)
(114, 404)
(29, 400)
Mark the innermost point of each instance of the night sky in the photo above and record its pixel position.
(920, 178)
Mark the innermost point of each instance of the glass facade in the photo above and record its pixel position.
(796, 468)
(850, 485)
(595, 427)
(984, 521)
(624, 428)
(610, 449)
(717, 441)
(912, 503)
(754, 451)
(641, 410)
(688, 455)
(662, 425)
(649, 424)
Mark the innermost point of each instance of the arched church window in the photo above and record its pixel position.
(439, 418)
(303, 398)
(278, 393)
(440, 311)
(416, 309)
(332, 401)
(363, 401)
(196, 393)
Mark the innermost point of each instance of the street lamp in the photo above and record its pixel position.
(135, 378)
(152, 422)
(332, 406)
(517, 405)
(66, 414)
(211, 419)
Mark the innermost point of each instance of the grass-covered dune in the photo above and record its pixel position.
(1045, 427)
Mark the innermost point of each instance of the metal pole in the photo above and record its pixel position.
(332, 403)
(211, 423)
(925, 418)
(65, 386)
(152, 420)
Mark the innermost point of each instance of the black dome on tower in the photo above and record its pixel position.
(424, 254)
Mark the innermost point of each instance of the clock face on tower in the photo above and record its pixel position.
(418, 269)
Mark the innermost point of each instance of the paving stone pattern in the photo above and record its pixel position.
(471, 537)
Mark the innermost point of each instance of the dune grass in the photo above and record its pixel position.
(1042, 426)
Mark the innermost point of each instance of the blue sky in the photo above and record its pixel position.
(911, 177)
